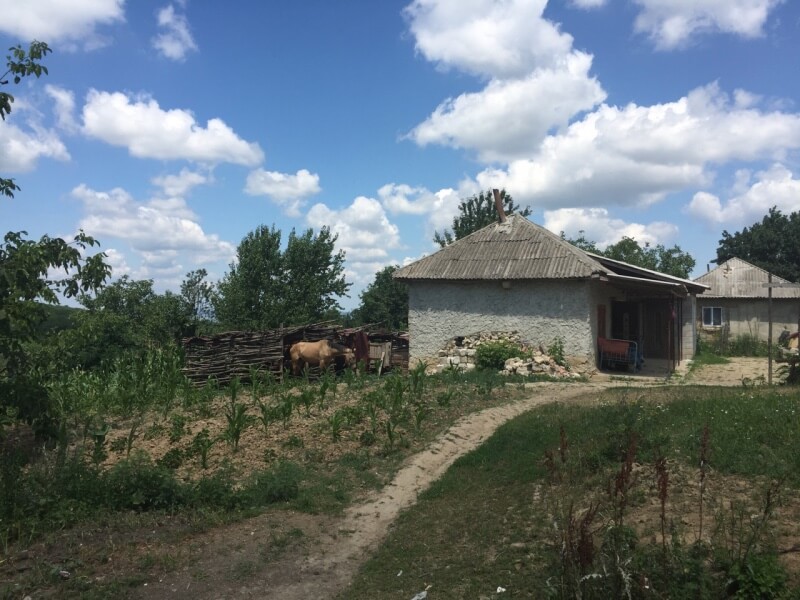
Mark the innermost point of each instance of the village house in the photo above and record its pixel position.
(737, 304)
(518, 276)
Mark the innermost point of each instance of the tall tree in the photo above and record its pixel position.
(385, 300)
(313, 276)
(20, 63)
(672, 261)
(582, 242)
(197, 295)
(125, 316)
(26, 280)
(249, 295)
(475, 213)
(268, 287)
(630, 251)
(28, 277)
(772, 244)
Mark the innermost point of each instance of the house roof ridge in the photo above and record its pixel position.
(530, 251)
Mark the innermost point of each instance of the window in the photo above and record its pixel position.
(712, 316)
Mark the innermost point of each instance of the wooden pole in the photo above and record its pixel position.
(769, 329)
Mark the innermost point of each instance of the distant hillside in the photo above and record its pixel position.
(57, 318)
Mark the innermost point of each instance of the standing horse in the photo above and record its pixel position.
(321, 353)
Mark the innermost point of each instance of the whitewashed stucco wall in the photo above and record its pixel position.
(688, 327)
(751, 316)
(540, 310)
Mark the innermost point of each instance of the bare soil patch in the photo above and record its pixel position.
(739, 371)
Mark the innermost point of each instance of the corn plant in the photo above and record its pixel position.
(335, 422)
(99, 433)
(390, 428)
(165, 372)
(189, 393)
(421, 411)
(201, 445)
(268, 414)
(132, 435)
(370, 409)
(285, 409)
(234, 387)
(255, 383)
(395, 388)
(207, 394)
(353, 415)
(326, 382)
(177, 427)
(417, 378)
(237, 421)
(306, 399)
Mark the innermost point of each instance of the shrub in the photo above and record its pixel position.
(136, 483)
(279, 484)
(217, 490)
(761, 576)
(493, 355)
(747, 345)
(556, 352)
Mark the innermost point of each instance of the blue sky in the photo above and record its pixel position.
(169, 130)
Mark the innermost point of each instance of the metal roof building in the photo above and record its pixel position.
(737, 278)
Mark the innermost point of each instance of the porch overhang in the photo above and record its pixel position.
(661, 288)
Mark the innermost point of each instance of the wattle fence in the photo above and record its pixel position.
(241, 353)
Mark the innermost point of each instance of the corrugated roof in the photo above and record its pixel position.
(736, 278)
(516, 249)
(622, 268)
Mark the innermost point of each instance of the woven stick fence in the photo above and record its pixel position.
(240, 353)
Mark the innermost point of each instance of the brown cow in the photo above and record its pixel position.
(320, 353)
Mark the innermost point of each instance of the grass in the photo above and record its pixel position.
(708, 358)
(489, 521)
(298, 467)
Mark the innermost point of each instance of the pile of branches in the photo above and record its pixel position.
(242, 353)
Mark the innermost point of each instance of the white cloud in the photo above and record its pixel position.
(364, 233)
(508, 119)
(182, 183)
(59, 21)
(64, 107)
(598, 226)
(775, 186)
(119, 266)
(175, 40)
(148, 131)
(672, 23)
(536, 81)
(156, 230)
(486, 37)
(20, 149)
(438, 207)
(637, 154)
(286, 190)
(405, 199)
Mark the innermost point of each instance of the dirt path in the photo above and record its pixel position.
(295, 556)
(737, 371)
(319, 555)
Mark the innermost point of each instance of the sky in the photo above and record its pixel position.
(170, 130)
